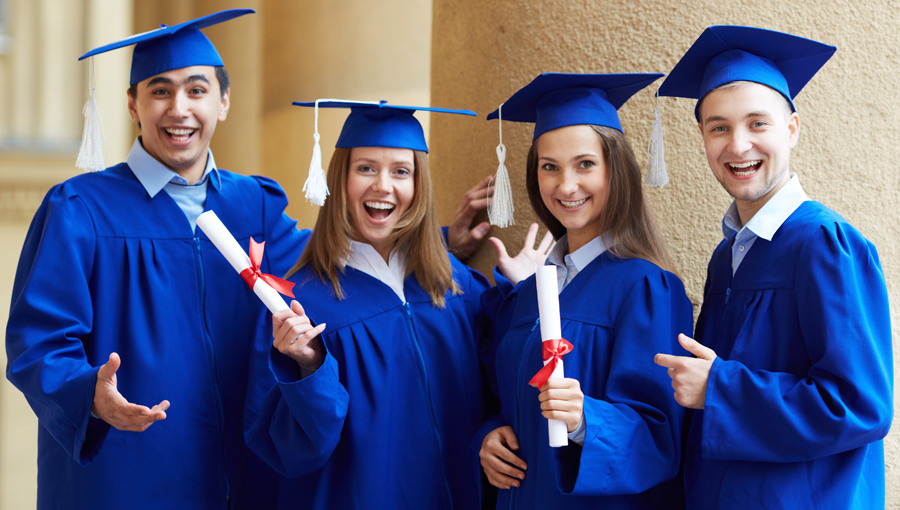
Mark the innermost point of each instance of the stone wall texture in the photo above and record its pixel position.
(482, 52)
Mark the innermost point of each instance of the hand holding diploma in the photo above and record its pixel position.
(553, 348)
(562, 400)
(294, 337)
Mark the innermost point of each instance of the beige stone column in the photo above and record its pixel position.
(348, 49)
(482, 52)
(107, 21)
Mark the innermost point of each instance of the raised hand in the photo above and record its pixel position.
(562, 399)
(462, 238)
(110, 406)
(294, 337)
(523, 265)
(689, 374)
(503, 468)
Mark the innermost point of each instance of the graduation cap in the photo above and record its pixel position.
(724, 54)
(555, 100)
(155, 52)
(370, 124)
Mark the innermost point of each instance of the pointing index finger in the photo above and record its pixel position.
(668, 360)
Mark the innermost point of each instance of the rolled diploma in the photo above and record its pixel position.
(548, 309)
(236, 256)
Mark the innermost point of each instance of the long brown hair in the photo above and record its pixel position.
(418, 229)
(627, 217)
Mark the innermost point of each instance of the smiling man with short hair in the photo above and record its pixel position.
(792, 375)
(120, 303)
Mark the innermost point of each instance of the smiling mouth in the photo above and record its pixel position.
(744, 169)
(180, 134)
(572, 204)
(378, 210)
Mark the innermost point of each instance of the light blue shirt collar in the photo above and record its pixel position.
(569, 265)
(581, 257)
(771, 216)
(154, 176)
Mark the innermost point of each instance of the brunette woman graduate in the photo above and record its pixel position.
(621, 302)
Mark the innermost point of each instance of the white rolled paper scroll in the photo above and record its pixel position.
(548, 308)
(236, 256)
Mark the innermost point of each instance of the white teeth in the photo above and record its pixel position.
(744, 165)
(735, 166)
(572, 204)
(379, 205)
(180, 132)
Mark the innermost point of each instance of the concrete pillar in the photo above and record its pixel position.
(107, 21)
(23, 75)
(59, 25)
(482, 52)
(348, 49)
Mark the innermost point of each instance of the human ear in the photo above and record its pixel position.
(225, 105)
(793, 129)
(132, 109)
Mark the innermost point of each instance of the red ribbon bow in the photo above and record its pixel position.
(552, 350)
(252, 273)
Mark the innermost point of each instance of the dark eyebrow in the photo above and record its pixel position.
(159, 79)
(167, 81)
(196, 77)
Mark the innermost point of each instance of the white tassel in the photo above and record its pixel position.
(92, 154)
(316, 188)
(500, 208)
(656, 173)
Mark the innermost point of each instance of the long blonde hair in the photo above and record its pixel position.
(627, 217)
(418, 229)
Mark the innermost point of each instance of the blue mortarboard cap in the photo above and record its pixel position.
(555, 100)
(172, 47)
(724, 54)
(380, 124)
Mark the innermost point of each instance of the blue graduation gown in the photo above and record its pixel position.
(618, 314)
(107, 268)
(385, 422)
(799, 398)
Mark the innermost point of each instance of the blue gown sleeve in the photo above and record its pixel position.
(298, 423)
(50, 315)
(845, 400)
(633, 432)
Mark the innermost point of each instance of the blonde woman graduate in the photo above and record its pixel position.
(620, 303)
(374, 407)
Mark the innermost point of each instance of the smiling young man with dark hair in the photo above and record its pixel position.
(121, 306)
(791, 379)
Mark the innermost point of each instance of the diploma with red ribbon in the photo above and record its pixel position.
(553, 345)
(265, 286)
